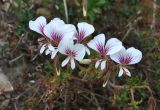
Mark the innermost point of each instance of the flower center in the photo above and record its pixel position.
(102, 49)
(80, 35)
(70, 52)
(56, 37)
(125, 59)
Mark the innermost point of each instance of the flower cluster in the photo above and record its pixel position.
(68, 40)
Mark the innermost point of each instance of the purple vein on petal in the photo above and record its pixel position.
(41, 28)
(70, 52)
(102, 49)
(125, 59)
(80, 35)
(56, 37)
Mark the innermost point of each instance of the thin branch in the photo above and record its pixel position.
(15, 105)
(130, 26)
(22, 36)
(66, 10)
(35, 56)
(15, 59)
(132, 94)
(116, 86)
(153, 25)
(128, 31)
(96, 101)
(89, 99)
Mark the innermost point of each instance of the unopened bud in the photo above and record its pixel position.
(84, 7)
(85, 61)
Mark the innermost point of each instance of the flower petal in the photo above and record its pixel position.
(47, 51)
(103, 65)
(56, 31)
(85, 30)
(115, 57)
(126, 71)
(69, 30)
(51, 48)
(135, 54)
(57, 21)
(87, 50)
(113, 45)
(38, 25)
(98, 40)
(65, 61)
(80, 51)
(72, 64)
(53, 54)
(50, 30)
(120, 72)
(97, 63)
(64, 44)
(42, 48)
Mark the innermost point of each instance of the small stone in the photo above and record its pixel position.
(5, 85)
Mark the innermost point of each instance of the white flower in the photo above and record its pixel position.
(98, 44)
(126, 57)
(49, 49)
(56, 29)
(73, 52)
(84, 30)
(38, 25)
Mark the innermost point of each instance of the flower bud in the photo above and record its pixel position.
(152, 103)
(84, 8)
(85, 61)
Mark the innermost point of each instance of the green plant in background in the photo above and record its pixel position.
(23, 13)
(134, 2)
(49, 67)
(94, 7)
(122, 98)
